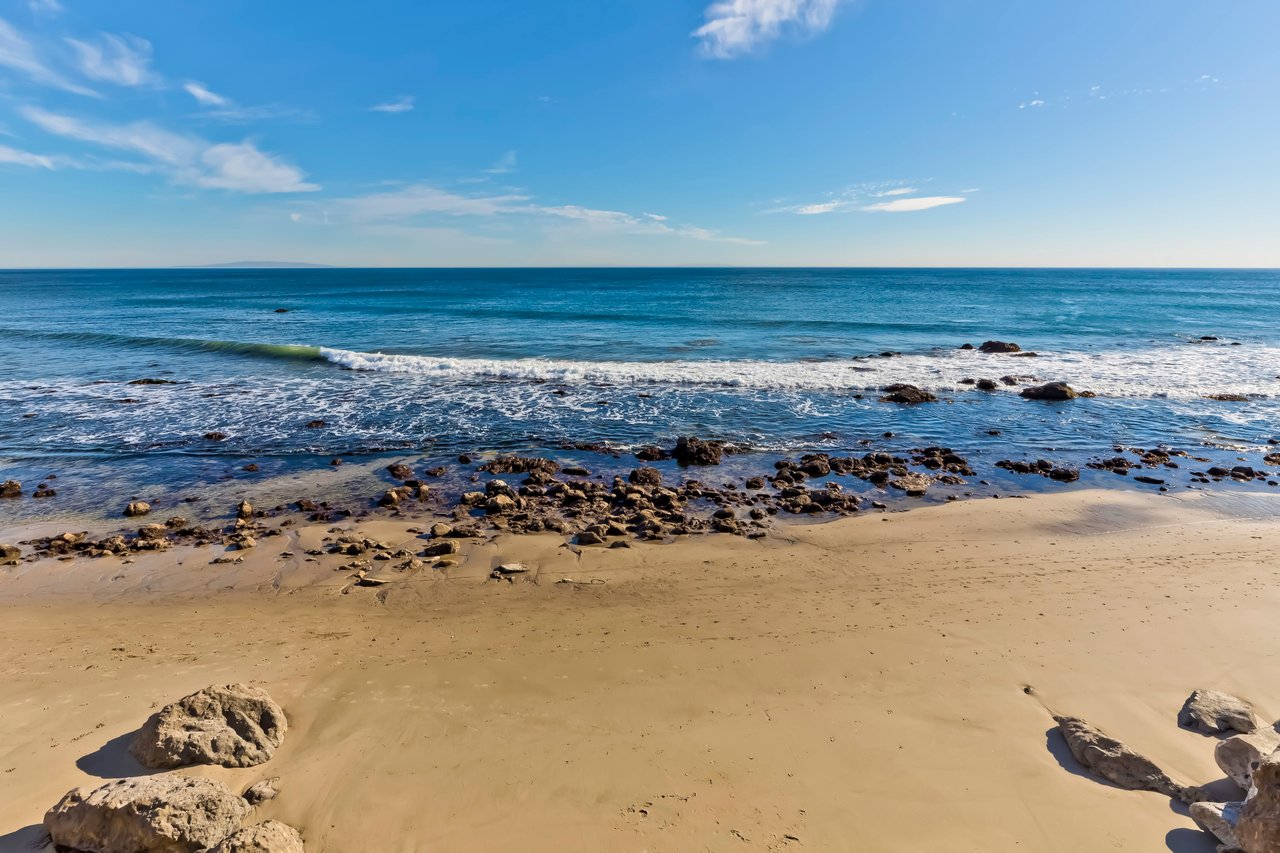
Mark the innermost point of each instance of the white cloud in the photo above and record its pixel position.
(44, 7)
(822, 207)
(243, 168)
(1037, 102)
(13, 156)
(295, 217)
(898, 191)
(204, 95)
(402, 104)
(239, 167)
(505, 164)
(419, 200)
(16, 53)
(736, 27)
(908, 205)
(124, 60)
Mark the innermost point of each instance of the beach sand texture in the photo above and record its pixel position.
(856, 685)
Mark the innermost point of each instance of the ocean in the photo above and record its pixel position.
(432, 363)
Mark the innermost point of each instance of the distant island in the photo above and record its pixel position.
(261, 265)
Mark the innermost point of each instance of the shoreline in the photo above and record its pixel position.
(809, 690)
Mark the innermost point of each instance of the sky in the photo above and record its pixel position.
(640, 132)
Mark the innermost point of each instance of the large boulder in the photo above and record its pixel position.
(1220, 819)
(1212, 711)
(999, 346)
(1111, 760)
(1258, 828)
(137, 508)
(270, 836)
(1239, 755)
(146, 814)
(645, 476)
(234, 725)
(695, 451)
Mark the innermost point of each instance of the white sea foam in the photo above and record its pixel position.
(1185, 371)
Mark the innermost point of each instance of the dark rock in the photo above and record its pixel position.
(1053, 391)
(215, 436)
(999, 346)
(695, 451)
(987, 385)
(645, 476)
(150, 381)
(10, 489)
(908, 394)
(400, 471)
(652, 453)
(316, 424)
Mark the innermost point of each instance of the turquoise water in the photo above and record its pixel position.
(435, 362)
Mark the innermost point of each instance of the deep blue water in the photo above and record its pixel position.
(433, 362)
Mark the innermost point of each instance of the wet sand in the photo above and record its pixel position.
(856, 685)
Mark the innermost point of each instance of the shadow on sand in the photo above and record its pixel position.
(113, 761)
(25, 840)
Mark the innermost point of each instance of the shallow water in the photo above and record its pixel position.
(433, 362)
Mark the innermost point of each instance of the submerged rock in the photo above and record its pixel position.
(1111, 760)
(146, 814)
(234, 725)
(10, 489)
(909, 394)
(270, 836)
(1212, 711)
(999, 346)
(1053, 391)
(137, 508)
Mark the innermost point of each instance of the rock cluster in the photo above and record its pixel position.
(233, 725)
(1250, 759)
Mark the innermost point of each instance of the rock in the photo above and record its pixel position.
(244, 510)
(999, 346)
(1220, 820)
(910, 394)
(986, 385)
(1211, 711)
(10, 489)
(499, 505)
(1228, 398)
(146, 814)
(215, 436)
(234, 725)
(9, 555)
(695, 451)
(260, 792)
(1111, 760)
(441, 549)
(645, 476)
(1051, 391)
(270, 836)
(913, 484)
(318, 423)
(149, 381)
(1239, 755)
(588, 537)
(651, 453)
(137, 508)
(1258, 828)
(400, 471)
(43, 491)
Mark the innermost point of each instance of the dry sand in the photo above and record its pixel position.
(856, 685)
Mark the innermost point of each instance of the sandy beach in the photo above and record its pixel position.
(854, 685)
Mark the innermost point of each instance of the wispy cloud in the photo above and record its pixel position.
(402, 104)
(862, 198)
(908, 205)
(237, 167)
(14, 157)
(124, 60)
(506, 163)
(737, 27)
(44, 7)
(204, 95)
(17, 54)
(419, 201)
(243, 168)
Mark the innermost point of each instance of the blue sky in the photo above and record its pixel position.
(745, 132)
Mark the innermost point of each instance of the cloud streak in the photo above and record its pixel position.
(17, 54)
(14, 157)
(862, 199)
(204, 95)
(738, 27)
(124, 60)
(402, 104)
(189, 160)
(419, 201)
(910, 205)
